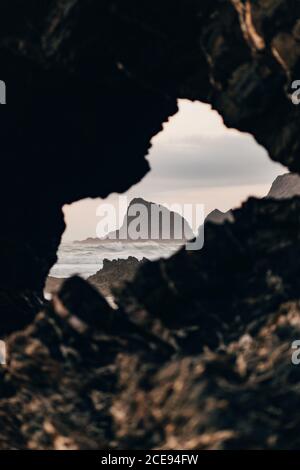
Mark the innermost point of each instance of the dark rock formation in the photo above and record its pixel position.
(112, 275)
(88, 85)
(146, 221)
(219, 217)
(99, 78)
(242, 397)
(198, 356)
(285, 186)
(58, 387)
(243, 272)
(115, 273)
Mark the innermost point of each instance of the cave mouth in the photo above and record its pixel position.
(198, 354)
(195, 160)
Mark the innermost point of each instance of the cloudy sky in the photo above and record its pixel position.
(194, 160)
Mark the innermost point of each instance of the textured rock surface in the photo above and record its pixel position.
(112, 275)
(285, 186)
(60, 381)
(89, 83)
(79, 74)
(198, 355)
(244, 396)
(219, 217)
(115, 273)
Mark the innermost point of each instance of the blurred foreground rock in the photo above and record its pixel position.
(198, 355)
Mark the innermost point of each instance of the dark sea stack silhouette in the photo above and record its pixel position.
(154, 222)
(198, 355)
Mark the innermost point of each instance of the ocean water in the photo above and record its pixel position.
(85, 259)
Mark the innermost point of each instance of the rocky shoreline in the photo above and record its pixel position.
(113, 275)
(198, 353)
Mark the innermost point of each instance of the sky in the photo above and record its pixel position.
(194, 160)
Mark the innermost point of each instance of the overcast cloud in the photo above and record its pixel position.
(195, 159)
